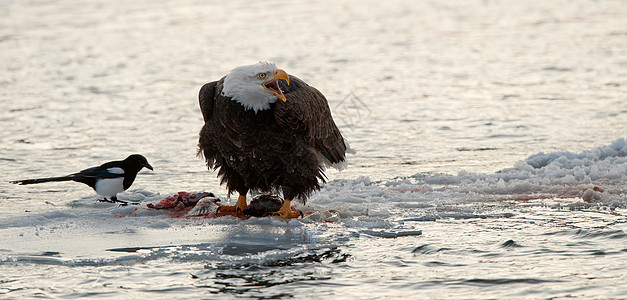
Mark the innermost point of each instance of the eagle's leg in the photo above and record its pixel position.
(286, 211)
(239, 206)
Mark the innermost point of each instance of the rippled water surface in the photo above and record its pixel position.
(490, 149)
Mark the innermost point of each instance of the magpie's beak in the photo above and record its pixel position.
(148, 166)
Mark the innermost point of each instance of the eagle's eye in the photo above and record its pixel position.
(261, 75)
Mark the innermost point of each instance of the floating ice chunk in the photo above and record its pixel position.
(591, 196)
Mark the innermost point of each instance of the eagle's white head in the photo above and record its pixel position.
(255, 86)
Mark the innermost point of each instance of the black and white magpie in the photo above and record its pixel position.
(107, 180)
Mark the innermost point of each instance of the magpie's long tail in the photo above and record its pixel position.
(41, 180)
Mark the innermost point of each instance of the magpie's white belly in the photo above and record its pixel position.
(110, 187)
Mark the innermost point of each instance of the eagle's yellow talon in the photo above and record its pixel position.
(239, 206)
(286, 212)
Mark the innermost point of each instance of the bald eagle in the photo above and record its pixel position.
(267, 131)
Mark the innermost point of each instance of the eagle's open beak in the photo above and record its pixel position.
(272, 85)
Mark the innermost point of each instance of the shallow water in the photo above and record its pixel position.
(490, 149)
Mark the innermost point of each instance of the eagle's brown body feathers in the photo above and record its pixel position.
(272, 150)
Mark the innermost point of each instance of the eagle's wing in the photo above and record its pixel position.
(307, 112)
(206, 99)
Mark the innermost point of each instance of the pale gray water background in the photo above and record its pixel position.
(429, 93)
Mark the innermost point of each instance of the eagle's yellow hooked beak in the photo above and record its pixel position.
(272, 85)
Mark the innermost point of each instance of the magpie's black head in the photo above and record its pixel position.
(138, 161)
